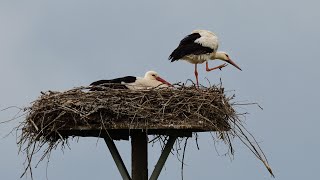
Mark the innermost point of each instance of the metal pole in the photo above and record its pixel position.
(162, 160)
(139, 150)
(117, 158)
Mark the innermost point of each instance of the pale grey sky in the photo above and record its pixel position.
(58, 45)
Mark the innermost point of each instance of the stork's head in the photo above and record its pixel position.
(225, 57)
(152, 75)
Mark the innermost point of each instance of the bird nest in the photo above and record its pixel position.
(55, 116)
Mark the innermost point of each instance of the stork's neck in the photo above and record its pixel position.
(218, 55)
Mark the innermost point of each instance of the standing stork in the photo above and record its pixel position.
(150, 80)
(199, 47)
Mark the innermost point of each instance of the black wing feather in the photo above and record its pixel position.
(187, 46)
(188, 49)
(112, 83)
(190, 39)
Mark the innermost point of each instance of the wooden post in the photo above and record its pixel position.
(117, 158)
(139, 150)
(162, 160)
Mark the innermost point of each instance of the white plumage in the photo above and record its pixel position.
(150, 80)
(207, 39)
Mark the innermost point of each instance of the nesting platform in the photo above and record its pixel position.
(117, 114)
(180, 112)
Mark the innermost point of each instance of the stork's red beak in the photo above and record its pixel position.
(233, 64)
(163, 81)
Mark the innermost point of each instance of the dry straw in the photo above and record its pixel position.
(184, 108)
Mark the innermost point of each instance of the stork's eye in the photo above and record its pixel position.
(153, 75)
(227, 55)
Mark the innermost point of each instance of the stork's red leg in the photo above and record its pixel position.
(218, 67)
(196, 74)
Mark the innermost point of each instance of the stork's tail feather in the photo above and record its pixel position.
(97, 83)
(175, 55)
(101, 85)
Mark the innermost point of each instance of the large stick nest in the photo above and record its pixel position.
(184, 108)
(119, 109)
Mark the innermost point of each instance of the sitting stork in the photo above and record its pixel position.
(150, 80)
(199, 47)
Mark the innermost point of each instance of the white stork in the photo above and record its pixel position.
(150, 80)
(199, 47)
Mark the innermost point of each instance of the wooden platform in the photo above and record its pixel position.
(122, 131)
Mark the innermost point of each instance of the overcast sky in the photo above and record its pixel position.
(59, 45)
